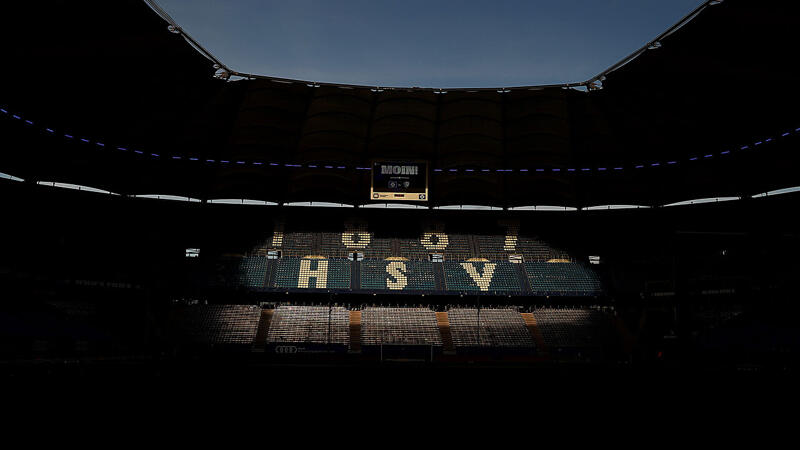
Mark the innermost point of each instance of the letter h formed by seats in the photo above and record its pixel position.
(320, 274)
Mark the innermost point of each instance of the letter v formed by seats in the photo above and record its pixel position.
(483, 281)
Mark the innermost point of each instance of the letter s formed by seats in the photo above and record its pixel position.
(397, 276)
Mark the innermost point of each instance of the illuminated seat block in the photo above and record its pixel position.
(309, 325)
(377, 274)
(399, 326)
(312, 273)
(217, 324)
(562, 278)
(495, 328)
(494, 276)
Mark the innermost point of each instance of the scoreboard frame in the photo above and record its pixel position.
(382, 194)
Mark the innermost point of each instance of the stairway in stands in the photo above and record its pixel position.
(530, 322)
(355, 331)
(355, 275)
(444, 329)
(438, 277)
(522, 274)
(260, 344)
(272, 266)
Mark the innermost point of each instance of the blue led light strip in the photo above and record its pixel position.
(534, 170)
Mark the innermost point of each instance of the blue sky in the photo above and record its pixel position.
(431, 43)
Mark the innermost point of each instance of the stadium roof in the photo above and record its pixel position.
(113, 95)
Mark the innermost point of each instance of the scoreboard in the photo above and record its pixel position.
(399, 180)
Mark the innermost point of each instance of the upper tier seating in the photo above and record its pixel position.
(227, 272)
(401, 260)
(413, 250)
(399, 326)
(497, 328)
(379, 248)
(565, 278)
(331, 245)
(418, 275)
(572, 327)
(252, 272)
(218, 324)
(457, 248)
(492, 247)
(359, 240)
(481, 276)
(298, 244)
(533, 249)
(309, 325)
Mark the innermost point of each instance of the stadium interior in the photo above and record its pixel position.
(161, 208)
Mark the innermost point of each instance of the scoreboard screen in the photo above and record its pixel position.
(398, 180)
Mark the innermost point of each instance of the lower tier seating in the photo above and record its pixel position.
(399, 326)
(217, 324)
(502, 328)
(572, 327)
(309, 325)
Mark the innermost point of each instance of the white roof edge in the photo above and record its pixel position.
(542, 208)
(469, 207)
(179, 198)
(392, 206)
(10, 177)
(75, 187)
(319, 204)
(606, 207)
(241, 201)
(777, 192)
(703, 200)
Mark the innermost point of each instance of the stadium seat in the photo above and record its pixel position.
(562, 278)
(252, 272)
(217, 324)
(569, 327)
(313, 273)
(399, 326)
(500, 328)
(418, 275)
(309, 325)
